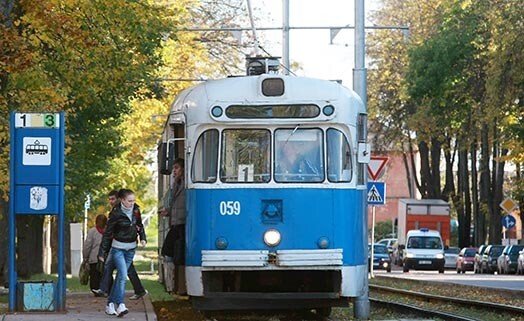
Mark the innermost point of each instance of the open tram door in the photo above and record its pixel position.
(170, 148)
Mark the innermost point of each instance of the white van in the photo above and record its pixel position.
(423, 251)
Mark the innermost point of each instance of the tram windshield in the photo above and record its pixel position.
(245, 156)
(298, 155)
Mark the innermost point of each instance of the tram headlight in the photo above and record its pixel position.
(221, 243)
(272, 237)
(410, 255)
(323, 242)
(440, 256)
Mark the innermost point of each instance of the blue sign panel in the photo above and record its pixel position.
(376, 193)
(36, 199)
(38, 157)
(508, 221)
(37, 186)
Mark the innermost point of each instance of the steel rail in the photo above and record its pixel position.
(468, 302)
(403, 307)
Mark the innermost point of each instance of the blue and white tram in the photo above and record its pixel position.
(276, 195)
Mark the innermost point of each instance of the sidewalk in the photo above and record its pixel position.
(85, 307)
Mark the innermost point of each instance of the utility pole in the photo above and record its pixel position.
(285, 36)
(362, 307)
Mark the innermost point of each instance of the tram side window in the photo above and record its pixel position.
(340, 168)
(245, 156)
(204, 169)
(298, 155)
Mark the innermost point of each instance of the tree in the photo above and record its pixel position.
(87, 58)
(464, 79)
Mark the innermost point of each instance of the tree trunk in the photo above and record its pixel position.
(29, 245)
(4, 241)
(425, 171)
(479, 220)
(449, 186)
(494, 227)
(485, 199)
(466, 195)
(497, 199)
(434, 187)
(408, 176)
(413, 167)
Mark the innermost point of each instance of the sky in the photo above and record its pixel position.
(311, 48)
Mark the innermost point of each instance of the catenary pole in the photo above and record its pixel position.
(285, 36)
(361, 303)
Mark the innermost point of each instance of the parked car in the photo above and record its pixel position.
(389, 243)
(466, 259)
(520, 263)
(381, 259)
(450, 257)
(500, 259)
(510, 260)
(488, 262)
(478, 257)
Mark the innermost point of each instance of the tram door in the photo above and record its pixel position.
(168, 151)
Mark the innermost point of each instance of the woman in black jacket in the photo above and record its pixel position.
(120, 237)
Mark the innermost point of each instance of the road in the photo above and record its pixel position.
(509, 282)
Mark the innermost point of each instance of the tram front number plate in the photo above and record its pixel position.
(424, 262)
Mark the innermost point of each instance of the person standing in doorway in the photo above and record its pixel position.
(175, 242)
(120, 241)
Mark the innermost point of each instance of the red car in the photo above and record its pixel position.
(466, 259)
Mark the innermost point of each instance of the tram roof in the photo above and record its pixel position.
(247, 90)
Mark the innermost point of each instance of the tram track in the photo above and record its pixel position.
(433, 298)
(403, 308)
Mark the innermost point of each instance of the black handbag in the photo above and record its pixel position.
(83, 273)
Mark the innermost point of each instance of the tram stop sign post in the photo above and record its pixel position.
(36, 188)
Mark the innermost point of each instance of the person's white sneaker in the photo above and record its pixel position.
(121, 310)
(110, 309)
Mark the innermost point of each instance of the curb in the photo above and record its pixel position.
(150, 310)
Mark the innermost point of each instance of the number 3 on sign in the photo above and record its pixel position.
(230, 208)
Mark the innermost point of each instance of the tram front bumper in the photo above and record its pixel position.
(213, 260)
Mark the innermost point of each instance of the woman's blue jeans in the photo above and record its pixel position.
(122, 260)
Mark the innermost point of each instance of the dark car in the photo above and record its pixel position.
(478, 257)
(381, 259)
(466, 259)
(488, 262)
(510, 260)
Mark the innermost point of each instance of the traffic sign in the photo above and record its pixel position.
(508, 205)
(376, 193)
(509, 221)
(375, 166)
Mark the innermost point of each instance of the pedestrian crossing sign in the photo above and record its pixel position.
(376, 193)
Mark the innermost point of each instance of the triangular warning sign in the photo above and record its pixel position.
(375, 166)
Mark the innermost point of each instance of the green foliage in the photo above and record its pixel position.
(383, 229)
